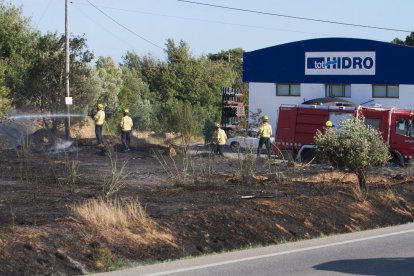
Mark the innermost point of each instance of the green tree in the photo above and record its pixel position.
(354, 147)
(183, 78)
(149, 70)
(5, 102)
(232, 56)
(17, 44)
(409, 40)
(182, 118)
(234, 59)
(44, 88)
(111, 83)
(136, 96)
(196, 80)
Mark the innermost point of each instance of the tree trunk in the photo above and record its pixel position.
(54, 126)
(362, 182)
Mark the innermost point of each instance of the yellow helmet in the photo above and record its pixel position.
(265, 118)
(100, 106)
(217, 125)
(328, 124)
(126, 110)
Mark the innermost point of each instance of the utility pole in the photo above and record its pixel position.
(67, 118)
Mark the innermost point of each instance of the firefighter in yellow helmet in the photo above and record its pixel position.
(220, 138)
(328, 124)
(264, 133)
(99, 121)
(126, 128)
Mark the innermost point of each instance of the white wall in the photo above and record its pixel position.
(263, 96)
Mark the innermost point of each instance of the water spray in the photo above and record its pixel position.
(42, 116)
(60, 145)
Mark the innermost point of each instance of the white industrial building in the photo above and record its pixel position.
(362, 71)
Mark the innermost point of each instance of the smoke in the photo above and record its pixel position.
(29, 126)
(10, 135)
(62, 145)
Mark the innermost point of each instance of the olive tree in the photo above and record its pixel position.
(354, 147)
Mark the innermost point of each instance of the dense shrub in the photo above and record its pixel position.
(354, 147)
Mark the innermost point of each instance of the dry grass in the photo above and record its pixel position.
(246, 166)
(154, 140)
(83, 128)
(124, 226)
(175, 174)
(71, 172)
(187, 169)
(116, 182)
(104, 259)
(104, 214)
(390, 196)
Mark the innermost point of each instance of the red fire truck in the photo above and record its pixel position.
(297, 126)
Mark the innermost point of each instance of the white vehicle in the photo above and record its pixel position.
(249, 142)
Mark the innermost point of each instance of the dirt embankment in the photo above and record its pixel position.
(50, 226)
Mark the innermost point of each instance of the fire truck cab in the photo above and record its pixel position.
(297, 126)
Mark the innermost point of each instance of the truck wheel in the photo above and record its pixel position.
(307, 156)
(397, 158)
(235, 146)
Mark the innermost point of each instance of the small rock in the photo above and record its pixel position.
(60, 254)
(171, 152)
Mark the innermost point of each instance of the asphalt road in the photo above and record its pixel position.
(385, 251)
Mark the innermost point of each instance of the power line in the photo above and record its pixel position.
(44, 12)
(107, 30)
(123, 26)
(207, 20)
(294, 17)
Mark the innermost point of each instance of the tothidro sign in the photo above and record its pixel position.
(340, 63)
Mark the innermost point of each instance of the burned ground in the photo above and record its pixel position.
(194, 204)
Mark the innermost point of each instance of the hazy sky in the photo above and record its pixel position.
(208, 29)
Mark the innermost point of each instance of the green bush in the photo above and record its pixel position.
(181, 117)
(353, 147)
